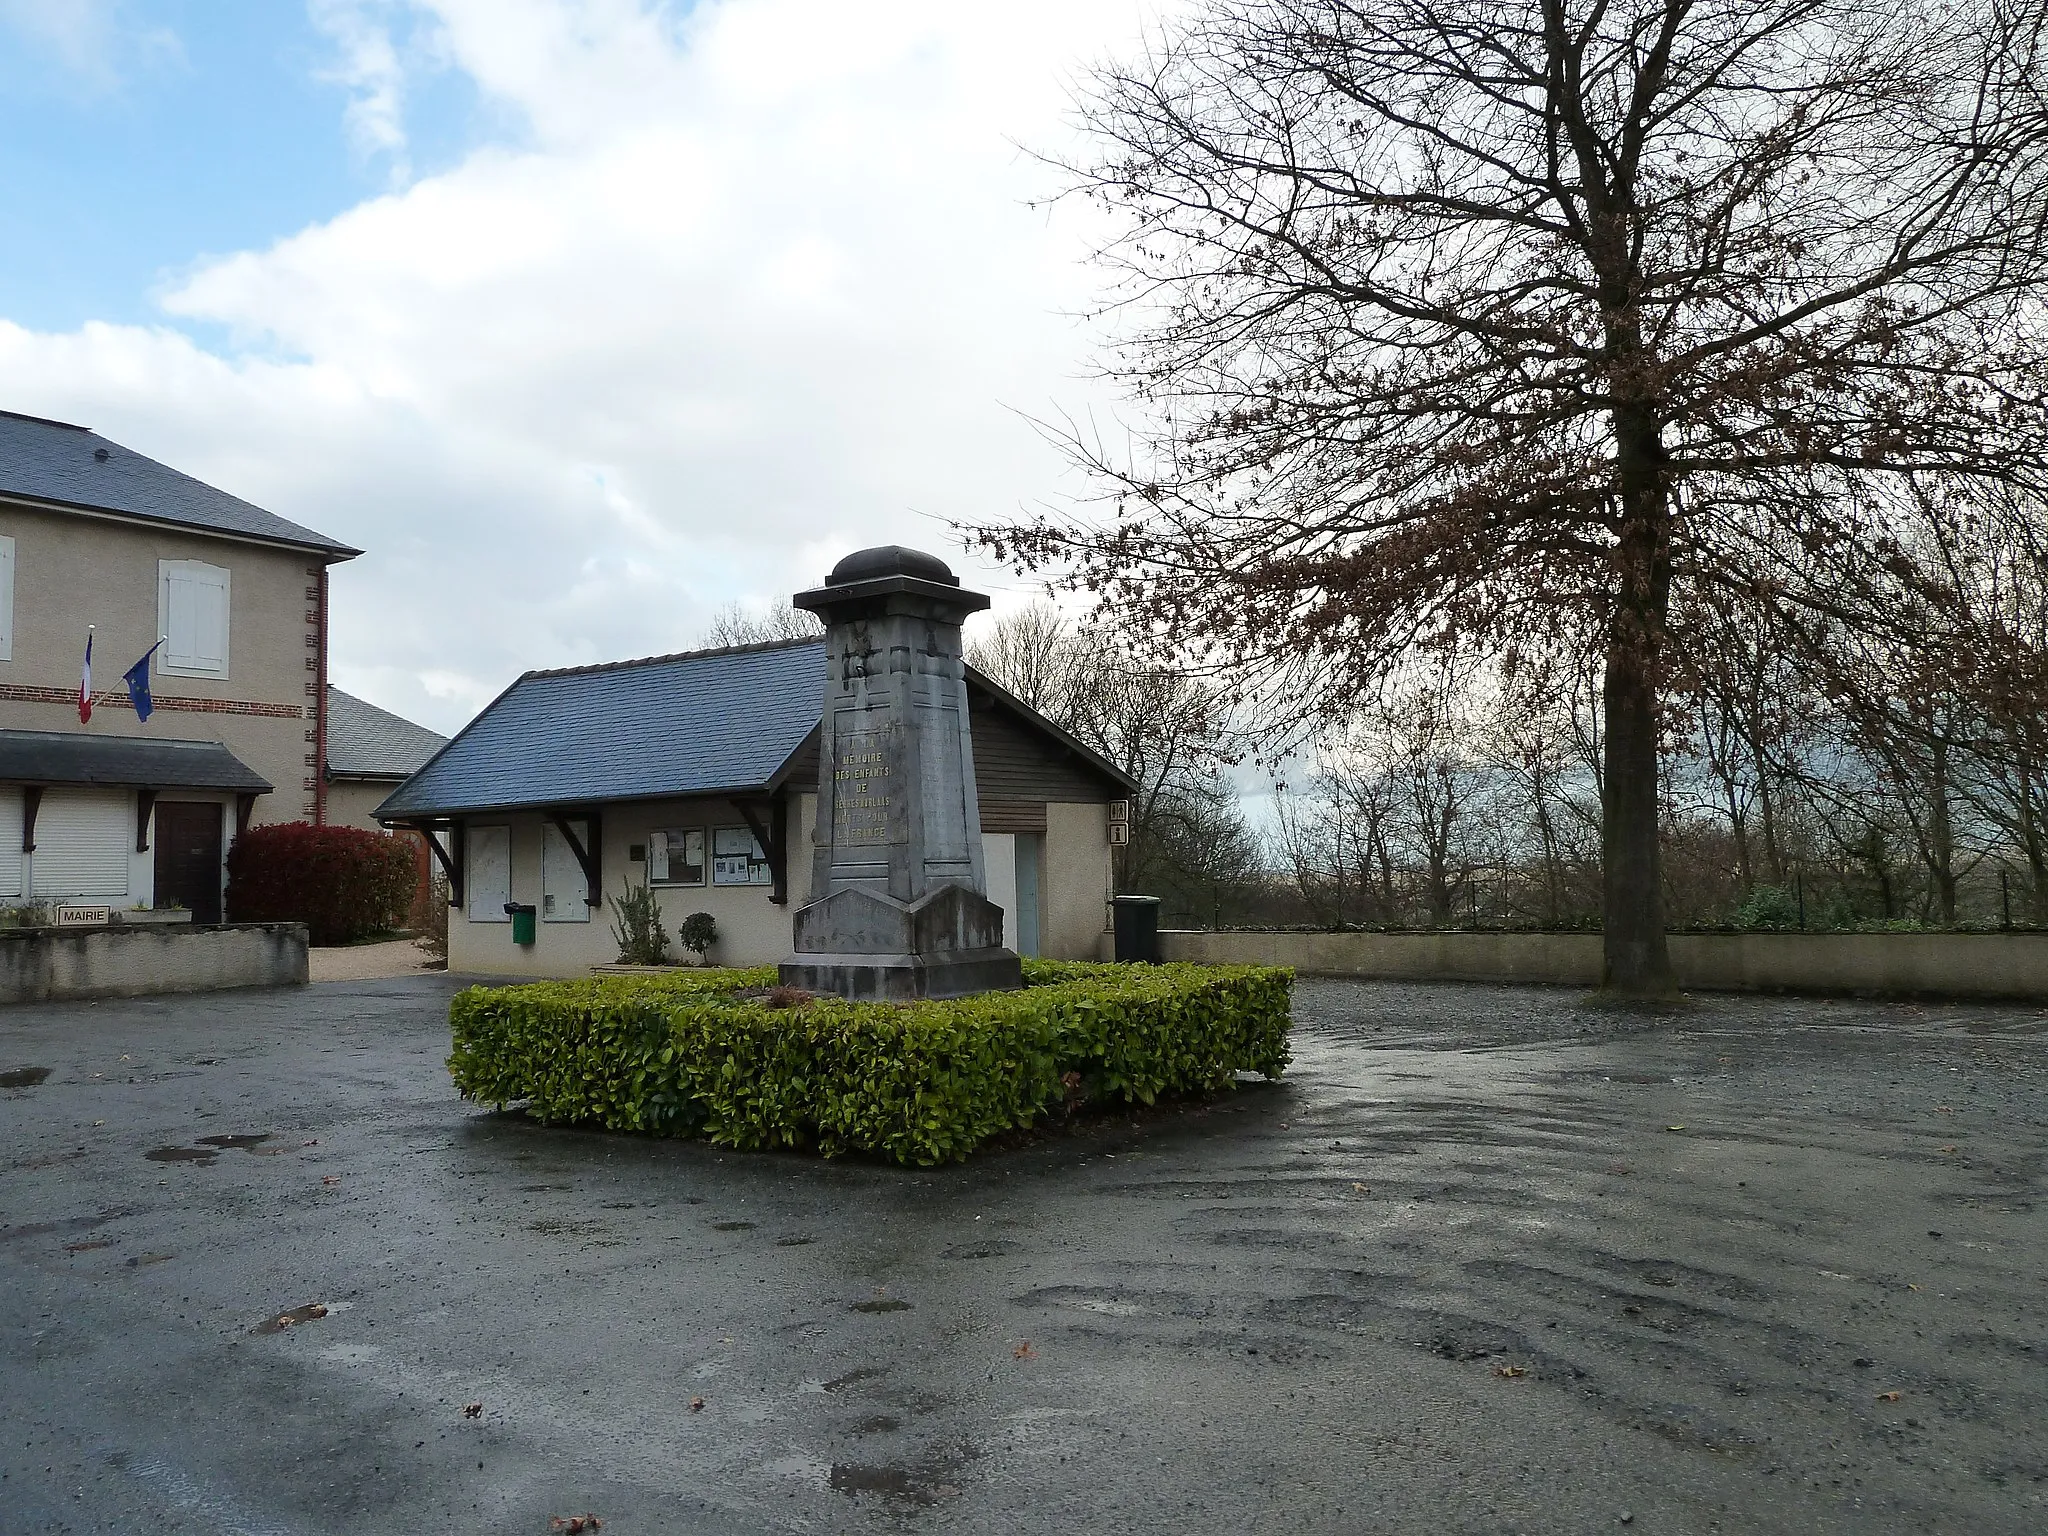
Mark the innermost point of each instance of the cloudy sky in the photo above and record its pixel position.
(584, 318)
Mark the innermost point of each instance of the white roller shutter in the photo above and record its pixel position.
(83, 838)
(10, 843)
(564, 892)
(488, 853)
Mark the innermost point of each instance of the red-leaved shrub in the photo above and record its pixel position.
(343, 883)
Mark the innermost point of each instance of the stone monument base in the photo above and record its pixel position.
(862, 945)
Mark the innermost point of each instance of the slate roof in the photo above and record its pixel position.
(365, 742)
(53, 461)
(148, 762)
(704, 722)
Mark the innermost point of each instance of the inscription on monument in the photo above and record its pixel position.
(862, 790)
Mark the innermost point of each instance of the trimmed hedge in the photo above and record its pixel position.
(918, 1083)
(343, 883)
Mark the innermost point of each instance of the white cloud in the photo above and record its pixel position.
(368, 64)
(757, 285)
(94, 42)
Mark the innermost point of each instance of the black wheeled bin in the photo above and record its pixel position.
(1136, 921)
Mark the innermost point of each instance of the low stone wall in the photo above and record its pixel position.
(51, 964)
(1959, 965)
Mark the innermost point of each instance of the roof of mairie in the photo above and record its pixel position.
(151, 762)
(366, 742)
(54, 462)
(698, 723)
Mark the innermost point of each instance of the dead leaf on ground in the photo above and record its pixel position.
(297, 1315)
(330, 1179)
(696, 1404)
(105, 1242)
(1362, 1189)
(1024, 1351)
(1888, 1397)
(1948, 1149)
(1510, 1371)
(472, 1410)
(574, 1523)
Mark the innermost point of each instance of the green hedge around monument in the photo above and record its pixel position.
(703, 1054)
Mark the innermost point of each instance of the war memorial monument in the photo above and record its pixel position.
(900, 907)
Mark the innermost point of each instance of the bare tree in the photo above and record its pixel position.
(1169, 731)
(737, 624)
(1461, 322)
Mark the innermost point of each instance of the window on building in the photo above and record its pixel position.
(564, 889)
(83, 840)
(6, 598)
(736, 859)
(676, 856)
(192, 616)
(488, 853)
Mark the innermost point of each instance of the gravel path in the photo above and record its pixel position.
(369, 962)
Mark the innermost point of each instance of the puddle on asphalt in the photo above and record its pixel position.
(183, 1154)
(855, 1377)
(903, 1483)
(882, 1304)
(243, 1141)
(23, 1077)
(992, 1248)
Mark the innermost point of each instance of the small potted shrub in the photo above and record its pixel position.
(697, 934)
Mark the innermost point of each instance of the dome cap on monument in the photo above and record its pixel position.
(890, 560)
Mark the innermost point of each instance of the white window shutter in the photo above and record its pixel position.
(488, 855)
(10, 843)
(83, 838)
(564, 891)
(193, 614)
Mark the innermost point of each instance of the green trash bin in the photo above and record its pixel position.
(522, 915)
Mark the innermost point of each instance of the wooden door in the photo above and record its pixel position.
(188, 857)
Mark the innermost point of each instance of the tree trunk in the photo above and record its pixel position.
(1635, 959)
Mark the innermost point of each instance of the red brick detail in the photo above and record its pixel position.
(23, 693)
(309, 784)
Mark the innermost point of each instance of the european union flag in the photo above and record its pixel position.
(137, 678)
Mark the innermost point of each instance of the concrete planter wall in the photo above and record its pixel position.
(1959, 965)
(51, 964)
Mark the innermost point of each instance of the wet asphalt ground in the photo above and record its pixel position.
(1489, 1260)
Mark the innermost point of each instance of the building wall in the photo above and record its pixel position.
(354, 802)
(752, 930)
(71, 571)
(1075, 881)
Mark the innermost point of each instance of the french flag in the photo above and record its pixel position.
(85, 682)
